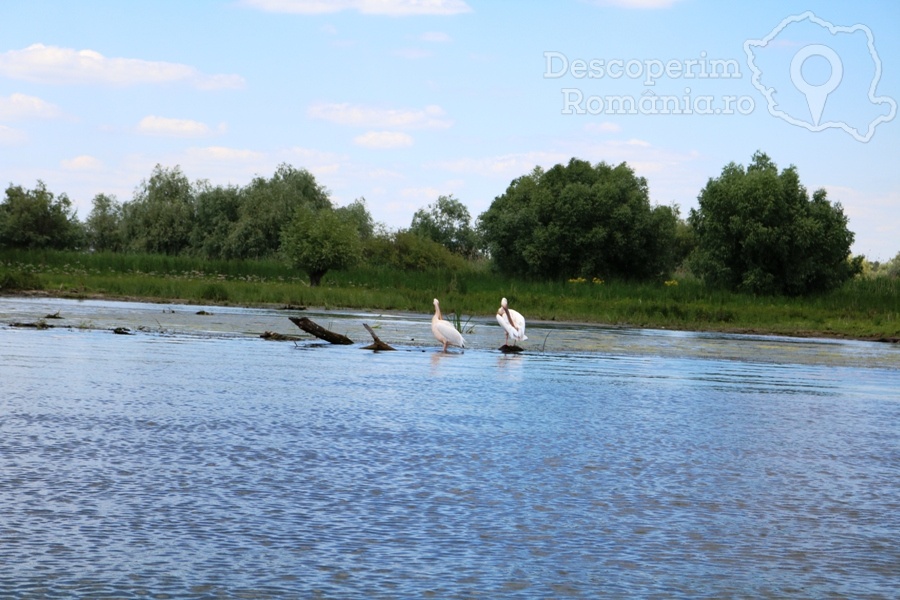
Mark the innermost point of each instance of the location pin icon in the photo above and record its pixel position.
(816, 95)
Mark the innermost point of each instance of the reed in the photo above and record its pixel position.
(863, 308)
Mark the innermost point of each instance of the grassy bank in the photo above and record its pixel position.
(864, 308)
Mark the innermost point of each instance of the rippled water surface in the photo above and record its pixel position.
(194, 459)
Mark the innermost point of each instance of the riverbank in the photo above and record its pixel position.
(796, 332)
(863, 309)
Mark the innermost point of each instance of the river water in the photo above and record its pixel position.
(194, 459)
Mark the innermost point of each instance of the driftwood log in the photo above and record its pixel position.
(320, 332)
(378, 345)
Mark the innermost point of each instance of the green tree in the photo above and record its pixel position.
(357, 213)
(217, 211)
(31, 219)
(448, 223)
(758, 231)
(160, 217)
(317, 241)
(103, 226)
(892, 267)
(269, 205)
(685, 240)
(580, 220)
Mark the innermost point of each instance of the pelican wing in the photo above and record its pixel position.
(516, 329)
(444, 331)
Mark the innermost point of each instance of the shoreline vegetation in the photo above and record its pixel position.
(863, 308)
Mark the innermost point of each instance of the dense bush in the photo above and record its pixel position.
(758, 231)
(408, 251)
(580, 220)
(15, 280)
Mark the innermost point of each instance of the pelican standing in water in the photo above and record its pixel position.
(444, 331)
(512, 322)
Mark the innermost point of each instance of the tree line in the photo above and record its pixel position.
(756, 228)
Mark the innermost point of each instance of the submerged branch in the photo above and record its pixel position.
(378, 345)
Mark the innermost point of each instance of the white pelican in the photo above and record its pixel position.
(512, 321)
(444, 331)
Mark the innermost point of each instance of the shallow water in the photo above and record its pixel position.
(195, 460)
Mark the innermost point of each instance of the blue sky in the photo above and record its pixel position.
(401, 101)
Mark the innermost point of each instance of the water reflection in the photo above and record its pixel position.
(616, 464)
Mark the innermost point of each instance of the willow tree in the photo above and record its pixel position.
(317, 241)
(37, 218)
(159, 219)
(103, 226)
(267, 206)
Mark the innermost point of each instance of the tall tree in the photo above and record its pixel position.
(267, 206)
(217, 211)
(448, 223)
(357, 213)
(160, 217)
(104, 224)
(757, 230)
(38, 219)
(580, 220)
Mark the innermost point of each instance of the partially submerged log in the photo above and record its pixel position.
(39, 324)
(320, 332)
(507, 349)
(278, 337)
(378, 345)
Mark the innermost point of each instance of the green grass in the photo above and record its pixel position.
(863, 308)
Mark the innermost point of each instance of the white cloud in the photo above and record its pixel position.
(603, 127)
(82, 163)
(313, 155)
(50, 64)
(637, 142)
(384, 174)
(153, 125)
(317, 162)
(383, 140)
(413, 53)
(20, 106)
(505, 165)
(393, 8)
(421, 193)
(431, 117)
(217, 82)
(434, 36)
(12, 137)
(224, 154)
